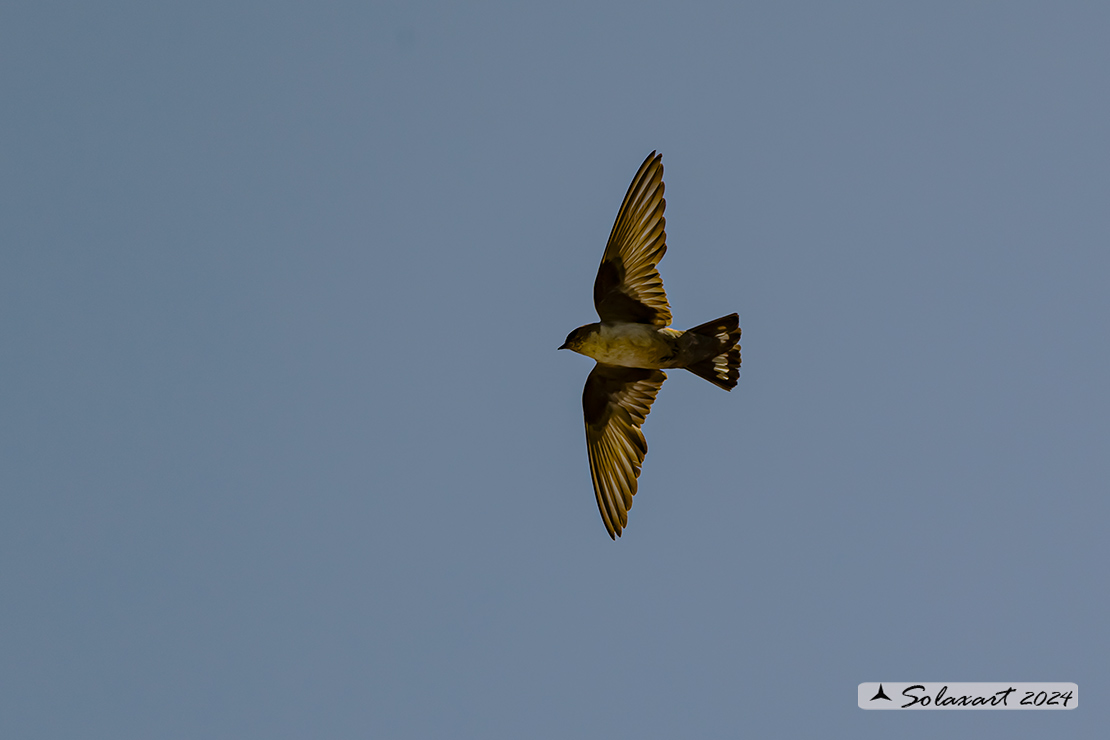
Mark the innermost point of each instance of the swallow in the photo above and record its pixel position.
(633, 343)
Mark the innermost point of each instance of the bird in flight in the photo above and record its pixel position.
(633, 342)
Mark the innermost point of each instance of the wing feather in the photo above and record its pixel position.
(615, 402)
(628, 286)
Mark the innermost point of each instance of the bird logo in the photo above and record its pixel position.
(634, 342)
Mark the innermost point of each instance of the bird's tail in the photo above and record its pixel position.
(723, 368)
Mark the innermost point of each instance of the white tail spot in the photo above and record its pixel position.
(720, 366)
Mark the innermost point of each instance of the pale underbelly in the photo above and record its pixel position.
(634, 345)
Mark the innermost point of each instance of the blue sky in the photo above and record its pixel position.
(286, 448)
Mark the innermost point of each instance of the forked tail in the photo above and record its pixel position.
(723, 368)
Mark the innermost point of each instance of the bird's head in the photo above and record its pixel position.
(577, 338)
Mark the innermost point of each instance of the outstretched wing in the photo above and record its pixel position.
(628, 287)
(615, 402)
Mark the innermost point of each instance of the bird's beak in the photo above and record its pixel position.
(562, 346)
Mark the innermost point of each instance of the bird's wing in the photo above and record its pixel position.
(628, 287)
(615, 402)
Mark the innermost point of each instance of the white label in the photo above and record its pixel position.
(983, 695)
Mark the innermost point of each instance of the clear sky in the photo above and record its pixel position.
(287, 450)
